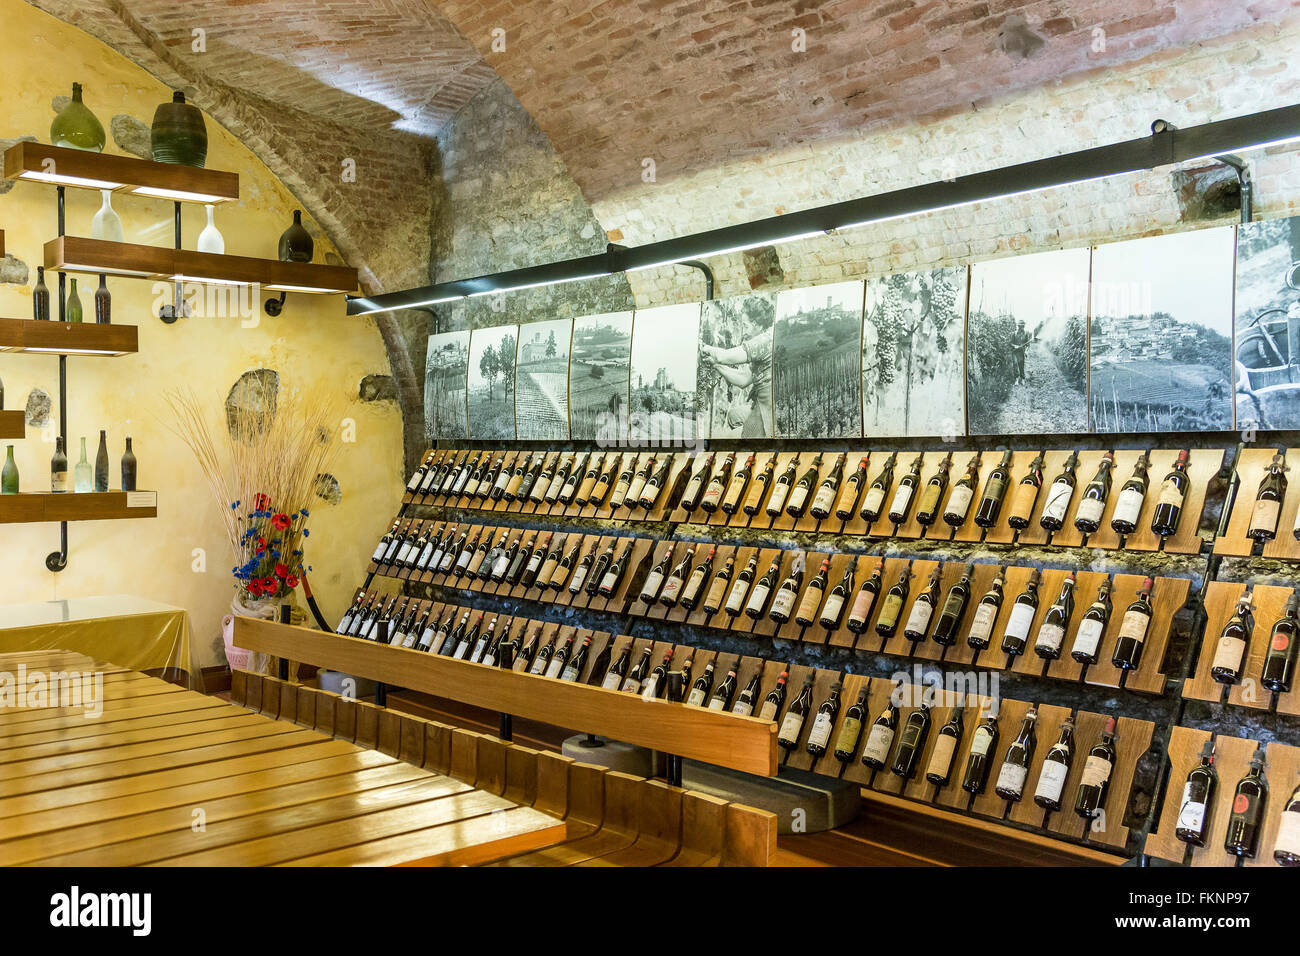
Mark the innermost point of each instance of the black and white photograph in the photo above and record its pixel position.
(913, 351)
(1267, 324)
(1027, 344)
(542, 380)
(492, 383)
(665, 358)
(817, 361)
(446, 368)
(735, 366)
(599, 375)
(1160, 350)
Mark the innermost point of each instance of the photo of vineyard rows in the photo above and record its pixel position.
(599, 373)
(542, 381)
(816, 362)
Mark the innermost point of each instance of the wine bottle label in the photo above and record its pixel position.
(609, 580)
(1090, 510)
(696, 697)
(808, 606)
(861, 609)
(994, 490)
(1288, 833)
(620, 493)
(874, 498)
(1022, 504)
(930, 499)
(1280, 642)
(539, 665)
(1264, 515)
(889, 611)
(744, 708)
(981, 742)
(758, 598)
(1050, 636)
(1088, 638)
(1022, 616)
(945, 745)
(1170, 494)
(426, 639)
(831, 609)
(1191, 813)
(58, 481)
(717, 703)
(1129, 506)
(579, 577)
(790, 727)
(798, 497)
(902, 498)
(379, 551)
(820, 734)
(733, 493)
(1229, 652)
(1051, 781)
(777, 503)
(847, 741)
(611, 681)
(1058, 500)
(570, 673)
(415, 481)
(766, 712)
(653, 582)
(982, 627)
(650, 690)
(847, 496)
(555, 667)
(425, 556)
(919, 620)
(632, 686)
(694, 584)
(1134, 625)
(736, 599)
(824, 500)
(1096, 771)
(499, 568)
(634, 488)
(1011, 778)
(671, 590)
(783, 603)
(714, 598)
(959, 503)
(879, 741)
(711, 496)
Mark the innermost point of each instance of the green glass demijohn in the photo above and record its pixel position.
(76, 126)
(178, 134)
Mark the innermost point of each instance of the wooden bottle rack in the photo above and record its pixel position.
(1231, 761)
(723, 739)
(1220, 601)
(1252, 464)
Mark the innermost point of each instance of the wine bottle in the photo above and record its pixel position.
(880, 739)
(1280, 659)
(918, 621)
(1286, 848)
(579, 579)
(783, 602)
(385, 541)
(588, 484)
(535, 560)
(1051, 633)
(59, 468)
(1026, 496)
(565, 568)
(627, 472)
(803, 488)
(430, 628)
(718, 587)
(744, 705)
(828, 490)
(72, 309)
(864, 601)
(542, 659)
(672, 589)
(758, 596)
(1087, 639)
(485, 640)
(772, 702)
(911, 742)
(724, 692)
(1059, 495)
(639, 672)
(1015, 765)
(1127, 654)
(939, 769)
(873, 502)
(345, 621)
(101, 462)
(1092, 503)
(892, 606)
(560, 657)
(639, 480)
(1132, 496)
(833, 606)
(781, 490)
(927, 509)
(986, 614)
(560, 484)
(700, 688)
(1198, 799)
(505, 559)
(819, 737)
(1248, 806)
(693, 589)
(617, 670)
(852, 491)
(475, 477)
(655, 579)
(518, 474)
(995, 490)
(421, 471)
(609, 582)
(608, 475)
(675, 690)
(1015, 635)
(739, 592)
(1173, 492)
(40, 297)
(654, 486)
(792, 723)
(979, 759)
(1056, 768)
(953, 610)
(1234, 641)
(812, 595)
(717, 488)
(758, 491)
(542, 484)
(524, 659)
(846, 744)
(963, 493)
(905, 493)
(735, 493)
(1268, 501)
(505, 476)
(1095, 781)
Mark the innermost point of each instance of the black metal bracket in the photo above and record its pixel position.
(274, 307)
(1232, 161)
(170, 313)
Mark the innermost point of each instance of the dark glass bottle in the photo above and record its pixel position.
(827, 491)
(812, 595)
(1173, 493)
(1286, 848)
(983, 748)
(639, 672)
(1132, 496)
(1249, 803)
(963, 494)
(792, 723)
(1092, 503)
(1056, 768)
(1051, 633)
(40, 297)
(1280, 659)
(891, 608)
(699, 694)
(1268, 501)
(1095, 781)
(1026, 496)
(103, 302)
(905, 494)
(758, 491)
(739, 592)
(713, 485)
(1092, 626)
(1059, 495)
(693, 589)
(1015, 765)
(101, 462)
(724, 692)
(672, 588)
(1015, 634)
(873, 502)
(995, 491)
(717, 592)
(819, 736)
(1127, 654)
(922, 613)
(735, 493)
(762, 590)
(846, 743)
(864, 601)
(939, 768)
(911, 742)
(986, 614)
(1234, 642)
(59, 467)
(927, 509)
(852, 491)
(772, 703)
(880, 739)
(781, 490)
(744, 705)
(1198, 799)
(953, 610)
(833, 607)
(803, 488)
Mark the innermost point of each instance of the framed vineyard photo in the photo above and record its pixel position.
(1267, 311)
(599, 374)
(664, 363)
(735, 366)
(816, 361)
(446, 367)
(492, 383)
(542, 381)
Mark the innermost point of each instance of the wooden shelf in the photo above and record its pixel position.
(13, 424)
(35, 507)
(67, 338)
(727, 740)
(58, 166)
(95, 256)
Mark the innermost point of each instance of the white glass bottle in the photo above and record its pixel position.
(106, 224)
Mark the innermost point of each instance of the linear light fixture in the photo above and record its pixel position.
(179, 195)
(61, 180)
(1164, 147)
(69, 351)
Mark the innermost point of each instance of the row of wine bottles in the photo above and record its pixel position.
(1231, 650)
(84, 479)
(1248, 813)
(72, 308)
(734, 485)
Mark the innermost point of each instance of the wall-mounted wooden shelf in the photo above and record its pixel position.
(76, 254)
(13, 424)
(58, 166)
(67, 338)
(35, 507)
(727, 740)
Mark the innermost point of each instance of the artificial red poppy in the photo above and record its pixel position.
(261, 502)
(291, 580)
(254, 586)
(270, 585)
(281, 570)
(280, 521)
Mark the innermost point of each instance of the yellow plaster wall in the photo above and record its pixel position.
(312, 341)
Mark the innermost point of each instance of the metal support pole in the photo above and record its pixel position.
(170, 313)
(507, 730)
(56, 561)
(284, 661)
(674, 773)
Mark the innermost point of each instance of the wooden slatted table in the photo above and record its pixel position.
(166, 776)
